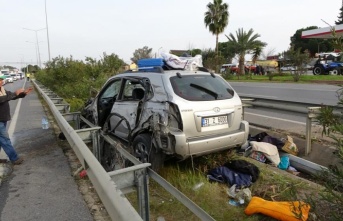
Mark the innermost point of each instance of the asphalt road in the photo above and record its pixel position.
(307, 93)
(42, 188)
(284, 120)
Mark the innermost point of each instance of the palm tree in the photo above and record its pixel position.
(245, 43)
(256, 54)
(216, 18)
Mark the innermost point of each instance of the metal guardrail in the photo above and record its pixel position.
(118, 207)
(111, 186)
(309, 109)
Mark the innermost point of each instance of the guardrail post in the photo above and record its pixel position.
(312, 113)
(143, 193)
(96, 144)
(245, 104)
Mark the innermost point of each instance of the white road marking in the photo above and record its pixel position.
(14, 119)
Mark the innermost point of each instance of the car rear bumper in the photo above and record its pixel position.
(185, 148)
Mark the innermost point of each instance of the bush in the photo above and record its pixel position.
(74, 79)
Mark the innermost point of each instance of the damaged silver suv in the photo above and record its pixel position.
(170, 112)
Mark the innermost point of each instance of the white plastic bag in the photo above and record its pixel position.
(186, 63)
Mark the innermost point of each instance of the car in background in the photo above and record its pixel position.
(226, 67)
(288, 68)
(9, 78)
(14, 76)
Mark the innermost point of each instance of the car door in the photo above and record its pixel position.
(105, 100)
(126, 110)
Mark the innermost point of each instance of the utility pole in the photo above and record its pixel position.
(40, 64)
(47, 30)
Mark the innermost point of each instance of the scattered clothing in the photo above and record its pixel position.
(244, 166)
(259, 156)
(258, 137)
(275, 141)
(264, 137)
(284, 163)
(223, 174)
(269, 150)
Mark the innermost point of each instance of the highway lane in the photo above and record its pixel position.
(307, 93)
(283, 120)
(41, 188)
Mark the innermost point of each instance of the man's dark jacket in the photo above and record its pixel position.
(5, 114)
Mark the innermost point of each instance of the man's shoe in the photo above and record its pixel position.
(3, 160)
(18, 161)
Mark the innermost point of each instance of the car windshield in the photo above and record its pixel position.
(201, 87)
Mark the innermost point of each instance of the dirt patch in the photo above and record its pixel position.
(327, 82)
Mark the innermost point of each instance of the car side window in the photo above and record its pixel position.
(133, 90)
(112, 90)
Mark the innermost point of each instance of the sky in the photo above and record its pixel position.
(84, 28)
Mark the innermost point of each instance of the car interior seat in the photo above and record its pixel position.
(137, 94)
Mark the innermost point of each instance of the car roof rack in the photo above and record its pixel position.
(156, 69)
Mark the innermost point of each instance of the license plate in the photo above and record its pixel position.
(213, 121)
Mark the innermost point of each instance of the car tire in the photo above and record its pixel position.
(335, 71)
(317, 70)
(146, 152)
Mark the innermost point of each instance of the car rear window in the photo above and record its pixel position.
(201, 87)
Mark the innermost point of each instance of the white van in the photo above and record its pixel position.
(225, 67)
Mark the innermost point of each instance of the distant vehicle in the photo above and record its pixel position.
(288, 68)
(328, 63)
(9, 78)
(14, 76)
(5, 72)
(20, 75)
(225, 67)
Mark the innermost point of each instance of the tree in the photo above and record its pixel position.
(340, 17)
(256, 54)
(195, 51)
(141, 53)
(227, 51)
(216, 18)
(297, 59)
(209, 59)
(313, 45)
(244, 43)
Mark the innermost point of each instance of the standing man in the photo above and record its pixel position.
(5, 142)
(28, 76)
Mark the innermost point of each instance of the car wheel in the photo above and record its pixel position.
(146, 152)
(335, 71)
(318, 70)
